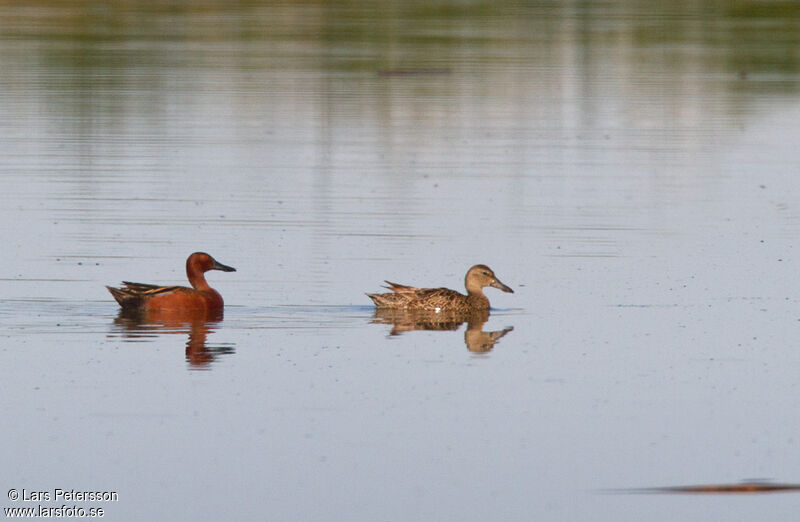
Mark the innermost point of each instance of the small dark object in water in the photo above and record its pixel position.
(753, 486)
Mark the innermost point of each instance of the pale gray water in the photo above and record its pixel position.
(632, 172)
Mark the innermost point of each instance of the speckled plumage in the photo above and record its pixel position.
(442, 299)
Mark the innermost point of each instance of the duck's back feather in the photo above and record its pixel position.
(134, 295)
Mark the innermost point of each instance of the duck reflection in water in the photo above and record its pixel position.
(475, 338)
(138, 324)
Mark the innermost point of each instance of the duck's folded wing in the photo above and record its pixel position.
(400, 289)
(147, 289)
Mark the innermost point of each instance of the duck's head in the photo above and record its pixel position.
(481, 275)
(203, 262)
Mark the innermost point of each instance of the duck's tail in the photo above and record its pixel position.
(125, 297)
(387, 300)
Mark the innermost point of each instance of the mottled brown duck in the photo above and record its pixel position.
(443, 299)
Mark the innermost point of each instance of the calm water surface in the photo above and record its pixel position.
(630, 169)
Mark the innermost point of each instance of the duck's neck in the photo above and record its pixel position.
(477, 300)
(196, 277)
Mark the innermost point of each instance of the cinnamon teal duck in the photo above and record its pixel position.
(141, 296)
(442, 299)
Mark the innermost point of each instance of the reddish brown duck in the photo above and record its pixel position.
(141, 296)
